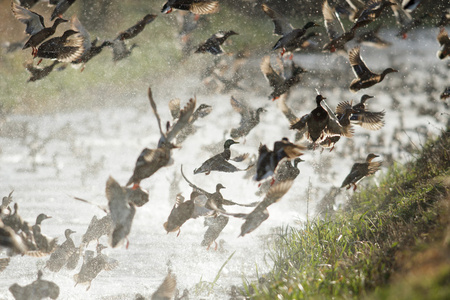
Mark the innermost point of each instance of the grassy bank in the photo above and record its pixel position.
(390, 241)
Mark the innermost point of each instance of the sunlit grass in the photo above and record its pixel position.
(355, 252)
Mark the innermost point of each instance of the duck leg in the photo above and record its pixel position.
(355, 186)
(179, 231)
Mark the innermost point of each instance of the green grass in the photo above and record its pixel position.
(357, 252)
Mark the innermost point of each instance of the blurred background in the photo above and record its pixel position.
(158, 55)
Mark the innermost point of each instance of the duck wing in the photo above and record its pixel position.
(201, 7)
(183, 120)
(240, 107)
(332, 22)
(342, 107)
(369, 120)
(282, 26)
(34, 21)
(77, 26)
(301, 124)
(442, 37)
(359, 66)
(286, 110)
(174, 108)
(275, 80)
(167, 288)
(333, 126)
(196, 188)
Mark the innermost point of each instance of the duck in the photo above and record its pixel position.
(38, 289)
(198, 7)
(255, 218)
(362, 117)
(288, 170)
(62, 253)
(91, 49)
(444, 41)
(445, 94)
(320, 123)
(213, 45)
(215, 227)
(290, 36)
(39, 73)
(202, 111)
(11, 241)
(4, 262)
(371, 38)
(134, 30)
(92, 266)
(28, 3)
(44, 244)
(13, 220)
(344, 122)
(66, 48)
(219, 162)
(97, 228)
(372, 11)
(35, 26)
(280, 85)
(268, 160)
(365, 78)
(167, 288)
(122, 212)
(334, 28)
(42, 35)
(61, 7)
(361, 170)
(214, 200)
(181, 212)
(249, 118)
(151, 160)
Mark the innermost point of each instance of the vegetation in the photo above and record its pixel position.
(377, 244)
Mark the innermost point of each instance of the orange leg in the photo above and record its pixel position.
(135, 186)
(272, 181)
(215, 248)
(39, 62)
(179, 231)
(128, 244)
(354, 188)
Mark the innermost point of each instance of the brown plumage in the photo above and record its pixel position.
(213, 45)
(279, 84)
(198, 7)
(320, 123)
(336, 32)
(365, 78)
(444, 41)
(360, 116)
(151, 160)
(66, 48)
(361, 170)
(181, 212)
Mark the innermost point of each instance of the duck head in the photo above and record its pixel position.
(365, 97)
(310, 24)
(228, 143)
(371, 156)
(204, 110)
(319, 99)
(219, 186)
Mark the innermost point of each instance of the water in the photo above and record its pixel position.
(76, 152)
